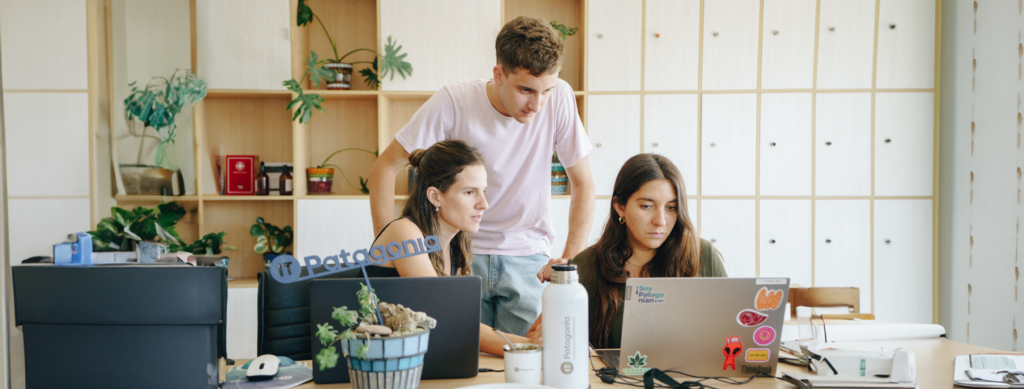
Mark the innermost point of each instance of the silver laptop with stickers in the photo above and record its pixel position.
(709, 327)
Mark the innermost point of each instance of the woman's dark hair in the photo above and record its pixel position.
(678, 256)
(437, 167)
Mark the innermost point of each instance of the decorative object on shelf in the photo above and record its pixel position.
(276, 170)
(210, 244)
(320, 178)
(262, 181)
(376, 341)
(156, 106)
(559, 180)
(241, 175)
(271, 240)
(124, 229)
(284, 186)
(337, 74)
(563, 31)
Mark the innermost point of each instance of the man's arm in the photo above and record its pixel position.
(382, 184)
(581, 207)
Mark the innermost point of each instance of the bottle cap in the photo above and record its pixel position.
(564, 274)
(566, 267)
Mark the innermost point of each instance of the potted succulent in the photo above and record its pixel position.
(336, 73)
(320, 178)
(377, 351)
(156, 106)
(271, 240)
(147, 231)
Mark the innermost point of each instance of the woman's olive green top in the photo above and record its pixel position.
(710, 266)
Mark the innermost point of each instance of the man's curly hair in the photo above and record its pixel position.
(529, 43)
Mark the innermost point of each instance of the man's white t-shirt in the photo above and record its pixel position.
(517, 157)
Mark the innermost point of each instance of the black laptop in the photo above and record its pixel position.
(454, 348)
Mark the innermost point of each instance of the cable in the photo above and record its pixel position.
(609, 375)
(486, 370)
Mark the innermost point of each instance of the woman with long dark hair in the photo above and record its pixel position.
(648, 234)
(447, 201)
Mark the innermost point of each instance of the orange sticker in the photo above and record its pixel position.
(758, 355)
(768, 299)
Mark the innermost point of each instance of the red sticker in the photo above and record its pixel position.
(733, 348)
(750, 318)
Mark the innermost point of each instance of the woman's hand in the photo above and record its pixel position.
(534, 334)
(544, 275)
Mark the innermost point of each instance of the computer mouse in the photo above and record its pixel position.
(263, 367)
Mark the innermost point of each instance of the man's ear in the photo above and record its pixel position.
(498, 74)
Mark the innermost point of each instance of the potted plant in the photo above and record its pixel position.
(210, 244)
(271, 240)
(377, 351)
(156, 106)
(143, 230)
(336, 73)
(320, 178)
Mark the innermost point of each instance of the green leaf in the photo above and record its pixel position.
(146, 229)
(344, 316)
(318, 74)
(348, 334)
(256, 230)
(394, 61)
(123, 216)
(259, 220)
(170, 214)
(326, 333)
(327, 358)
(304, 14)
(260, 248)
(370, 76)
(362, 350)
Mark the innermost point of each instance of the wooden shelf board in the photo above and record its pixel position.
(408, 95)
(344, 94)
(344, 197)
(154, 198)
(244, 282)
(247, 198)
(248, 93)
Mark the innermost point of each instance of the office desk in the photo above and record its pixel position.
(934, 367)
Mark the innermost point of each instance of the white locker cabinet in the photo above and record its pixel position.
(730, 44)
(785, 240)
(728, 144)
(729, 226)
(329, 226)
(903, 261)
(904, 144)
(787, 47)
(842, 246)
(785, 144)
(843, 144)
(671, 45)
(560, 223)
(846, 39)
(906, 44)
(44, 44)
(613, 45)
(244, 44)
(670, 129)
(448, 41)
(54, 144)
(42, 222)
(613, 123)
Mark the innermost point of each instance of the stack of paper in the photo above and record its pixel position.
(986, 371)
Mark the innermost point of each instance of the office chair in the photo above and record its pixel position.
(848, 297)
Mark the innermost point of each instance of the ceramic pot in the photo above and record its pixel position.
(391, 363)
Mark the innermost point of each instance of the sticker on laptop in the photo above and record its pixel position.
(733, 348)
(764, 336)
(768, 299)
(771, 281)
(647, 295)
(758, 355)
(636, 363)
(750, 318)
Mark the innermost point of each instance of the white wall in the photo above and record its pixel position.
(981, 160)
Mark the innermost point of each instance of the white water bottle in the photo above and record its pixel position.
(566, 331)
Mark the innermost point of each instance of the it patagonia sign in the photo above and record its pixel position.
(286, 269)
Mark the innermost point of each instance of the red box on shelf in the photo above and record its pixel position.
(241, 174)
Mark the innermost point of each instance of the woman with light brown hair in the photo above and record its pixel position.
(648, 234)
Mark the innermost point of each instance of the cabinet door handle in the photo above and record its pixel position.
(775, 32)
(888, 140)
(771, 241)
(831, 28)
(887, 241)
(713, 144)
(892, 26)
(828, 240)
(657, 35)
(773, 144)
(655, 144)
(598, 145)
(714, 34)
(713, 240)
(828, 143)
(599, 36)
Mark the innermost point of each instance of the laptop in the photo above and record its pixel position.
(708, 327)
(454, 348)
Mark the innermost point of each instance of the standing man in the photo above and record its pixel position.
(516, 121)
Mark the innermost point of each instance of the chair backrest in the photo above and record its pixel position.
(825, 297)
(282, 314)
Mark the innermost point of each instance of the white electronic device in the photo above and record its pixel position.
(263, 367)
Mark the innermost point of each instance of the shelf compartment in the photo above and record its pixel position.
(235, 218)
(352, 24)
(344, 94)
(345, 124)
(247, 198)
(569, 13)
(248, 93)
